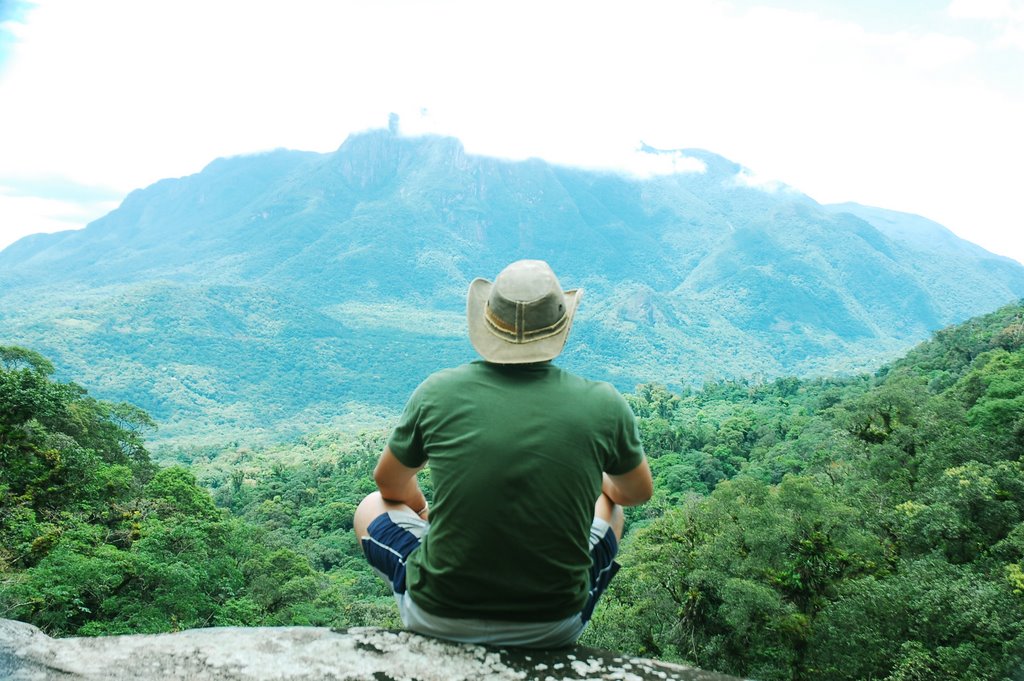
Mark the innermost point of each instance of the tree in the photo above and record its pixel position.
(734, 581)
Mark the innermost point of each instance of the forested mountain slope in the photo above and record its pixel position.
(867, 527)
(872, 528)
(272, 293)
(96, 539)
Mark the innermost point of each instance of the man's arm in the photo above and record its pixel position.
(631, 488)
(397, 482)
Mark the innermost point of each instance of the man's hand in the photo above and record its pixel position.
(397, 483)
(629, 489)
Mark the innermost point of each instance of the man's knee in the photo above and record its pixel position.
(368, 509)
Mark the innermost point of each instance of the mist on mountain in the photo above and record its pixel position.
(272, 293)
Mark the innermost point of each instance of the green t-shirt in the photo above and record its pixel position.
(516, 454)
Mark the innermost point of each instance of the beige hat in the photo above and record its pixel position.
(524, 316)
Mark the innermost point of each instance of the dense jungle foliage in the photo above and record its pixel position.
(869, 527)
(96, 539)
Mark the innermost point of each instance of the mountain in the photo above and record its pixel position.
(270, 294)
(914, 231)
(938, 256)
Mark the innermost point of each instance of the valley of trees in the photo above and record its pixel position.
(869, 527)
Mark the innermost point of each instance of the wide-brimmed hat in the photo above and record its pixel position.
(524, 316)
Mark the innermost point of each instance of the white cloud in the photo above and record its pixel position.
(647, 164)
(24, 215)
(12, 28)
(121, 93)
(982, 9)
(1012, 37)
(1005, 18)
(747, 178)
(933, 50)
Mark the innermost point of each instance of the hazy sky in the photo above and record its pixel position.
(913, 105)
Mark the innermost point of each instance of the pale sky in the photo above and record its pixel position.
(912, 105)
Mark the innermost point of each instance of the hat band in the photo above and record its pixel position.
(518, 334)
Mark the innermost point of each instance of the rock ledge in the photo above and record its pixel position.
(307, 653)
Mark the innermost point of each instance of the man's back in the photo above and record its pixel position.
(531, 468)
(516, 455)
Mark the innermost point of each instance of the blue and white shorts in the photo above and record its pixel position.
(393, 535)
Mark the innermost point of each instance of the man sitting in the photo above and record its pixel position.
(530, 465)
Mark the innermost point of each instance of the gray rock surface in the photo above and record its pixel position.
(308, 653)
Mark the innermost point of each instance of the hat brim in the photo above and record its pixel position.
(495, 349)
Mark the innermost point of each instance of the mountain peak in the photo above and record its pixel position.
(347, 272)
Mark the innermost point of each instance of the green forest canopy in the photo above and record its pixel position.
(869, 527)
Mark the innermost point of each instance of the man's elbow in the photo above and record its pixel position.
(648, 492)
(641, 495)
(386, 483)
(379, 477)
(631, 491)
